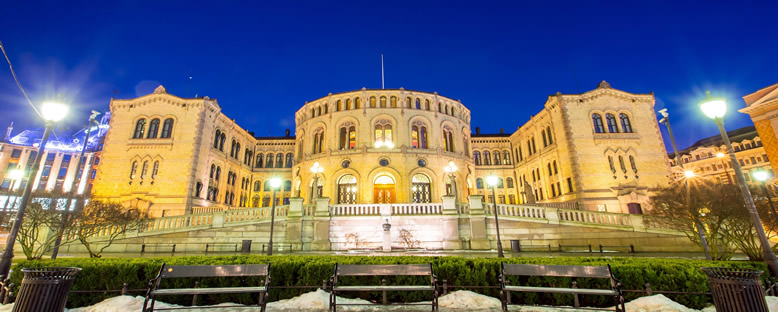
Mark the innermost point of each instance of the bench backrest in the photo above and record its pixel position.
(557, 270)
(383, 269)
(176, 271)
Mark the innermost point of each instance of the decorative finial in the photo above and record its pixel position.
(604, 84)
(160, 90)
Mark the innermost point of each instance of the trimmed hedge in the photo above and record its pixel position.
(634, 273)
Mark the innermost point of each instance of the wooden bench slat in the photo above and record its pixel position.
(205, 291)
(556, 270)
(582, 291)
(381, 288)
(176, 271)
(383, 269)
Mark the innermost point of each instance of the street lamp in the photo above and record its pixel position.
(688, 174)
(492, 181)
(715, 108)
(51, 112)
(450, 170)
(14, 175)
(316, 169)
(762, 176)
(275, 183)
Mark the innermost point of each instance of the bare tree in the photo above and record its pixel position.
(100, 223)
(36, 234)
(407, 238)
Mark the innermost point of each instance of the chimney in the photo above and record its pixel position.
(8, 132)
(251, 133)
(502, 131)
(477, 130)
(287, 133)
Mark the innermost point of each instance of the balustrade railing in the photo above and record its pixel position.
(356, 210)
(309, 210)
(251, 214)
(521, 211)
(175, 222)
(463, 208)
(416, 209)
(201, 210)
(594, 217)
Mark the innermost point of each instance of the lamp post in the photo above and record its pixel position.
(316, 169)
(51, 112)
(14, 175)
(450, 170)
(762, 176)
(688, 174)
(492, 181)
(76, 182)
(275, 183)
(715, 109)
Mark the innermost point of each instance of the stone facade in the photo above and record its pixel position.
(762, 107)
(382, 146)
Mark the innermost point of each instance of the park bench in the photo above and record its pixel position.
(572, 271)
(207, 271)
(356, 270)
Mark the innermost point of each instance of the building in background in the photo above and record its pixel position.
(166, 155)
(762, 107)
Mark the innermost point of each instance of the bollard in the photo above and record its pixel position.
(383, 293)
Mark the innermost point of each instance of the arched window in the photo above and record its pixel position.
(548, 133)
(419, 135)
(267, 186)
(357, 103)
(479, 183)
(543, 134)
(347, 189)
(237, 150)
(338, 106)
(477, 158)
(140, 127)
(279, 160)
(497, 158)
(348, 136)
(418, 103)
(610, 163)
(420, 189)
(427, 104)
(259, 163)
(500, 183)
(167, 128)
(626, 126)
(597, 121)
(287, 186)
(318, 111)
(408, 102)
(213, 171)
(153, 129)
(133, 169)
(632, 163)
(155, 170)
(487, 158)
(509, 182)
(221, 141)
(218, 173)
(611, 120)
(621, 162)
(393, 101)
(506, 157)
(448, 140)
(383, 102)
(144, 169)
(348, 104)
(269, 161)
(383, 134)
(289, 160)
(257, 186)
(372, 101)
(216, 139)
(318, 141)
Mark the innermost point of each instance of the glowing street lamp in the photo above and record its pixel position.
(316, 169)
(492, 181)
(688, 174)
(450, 169)
(15, 175)
(275, 184)
(762, 176)
(51, 112)
(721, 156)
(715, 108)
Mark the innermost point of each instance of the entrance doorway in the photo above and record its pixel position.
(383, 190)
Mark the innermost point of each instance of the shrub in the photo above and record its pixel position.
(663, 274)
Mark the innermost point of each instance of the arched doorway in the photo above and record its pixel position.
(383, 190)
(420, 189)
(347, 189)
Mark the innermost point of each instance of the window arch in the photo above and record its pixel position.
(419, 135)
(632, 164)
(382, 102)
(550, 137)
(218, 173)
(279, 160)
(257, 186)
(144, 169)
(621, 162)
(140, 127)
(348, 104)
(133, 169)
(318, 141)
(479, 183)
(393, 102)
(383, 134)
(477, 158)
(427, 104)
(506, 157)
(487, 158)
(611, 120)
(497, 160)
(153, 129)
(213, 171)
(155, 170)
(348, 136)
(420, 188)
(509, 182)
(287, 186)
(267, 186)
(259, 163)
(357, 103)
(372, 101)
(289, 160)
(216, 139)
(338, 106)
(347, 189)
(269, 160)
(597, 121)
(418, 103)
(626, 126)
(167, 128)
(448, 140)
(408, 102)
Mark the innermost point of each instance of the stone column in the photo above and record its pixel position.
(321, 224)
(637, 222)
(451, 228)
(294, 226)
(478, 224)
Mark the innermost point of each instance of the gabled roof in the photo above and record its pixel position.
(737, 135)
(756, 96)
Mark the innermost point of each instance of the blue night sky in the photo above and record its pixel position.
(502, 60)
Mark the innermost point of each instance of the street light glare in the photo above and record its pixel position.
(761, 175)
(720, 155)
(713, 107)
(54, 111)
(275, 182)
(316, 168)
(491, 180)
(15, 174)
(688, 174)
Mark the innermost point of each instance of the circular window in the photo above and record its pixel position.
(422, 163)
(345, 163)
(383, 162)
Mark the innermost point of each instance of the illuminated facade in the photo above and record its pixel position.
(599, 150)
(762, 107)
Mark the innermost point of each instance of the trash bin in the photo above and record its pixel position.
(245, 246)
(736, 289)
(45, 289)
(515, 247)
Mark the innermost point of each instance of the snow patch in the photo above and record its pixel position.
(656, 303)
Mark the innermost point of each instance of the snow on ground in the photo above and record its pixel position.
(455, 301)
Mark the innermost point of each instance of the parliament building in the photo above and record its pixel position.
(600, 150)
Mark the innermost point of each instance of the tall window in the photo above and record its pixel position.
(167, 128)
(418, 103)
(448, 140)
(626, 126)
(133, 169)
(479, 183)
(418, 135)
(383, 102)
(612, 127)
(506, 157)
(348, 136)
(621, 162)
(487, 158)
(221, 141)
(545, 141)
(372, 101)
(338, 106)
(509, 182)
(144, 169)
(497, 158)
(259, 163)
(548, 133)
(155, 170)
(279, 160)
(153, 129)
(383, 134)
(318, 141)
(348, 104)
(216, 139)
(347, 189)
(632, 163)
(477, 158)
(269, 161)
(357, 103)
(597, 121)
(289, 160)
(420, 188)
(393, 101)
(140, 127)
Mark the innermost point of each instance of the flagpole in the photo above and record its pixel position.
(382, 71)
